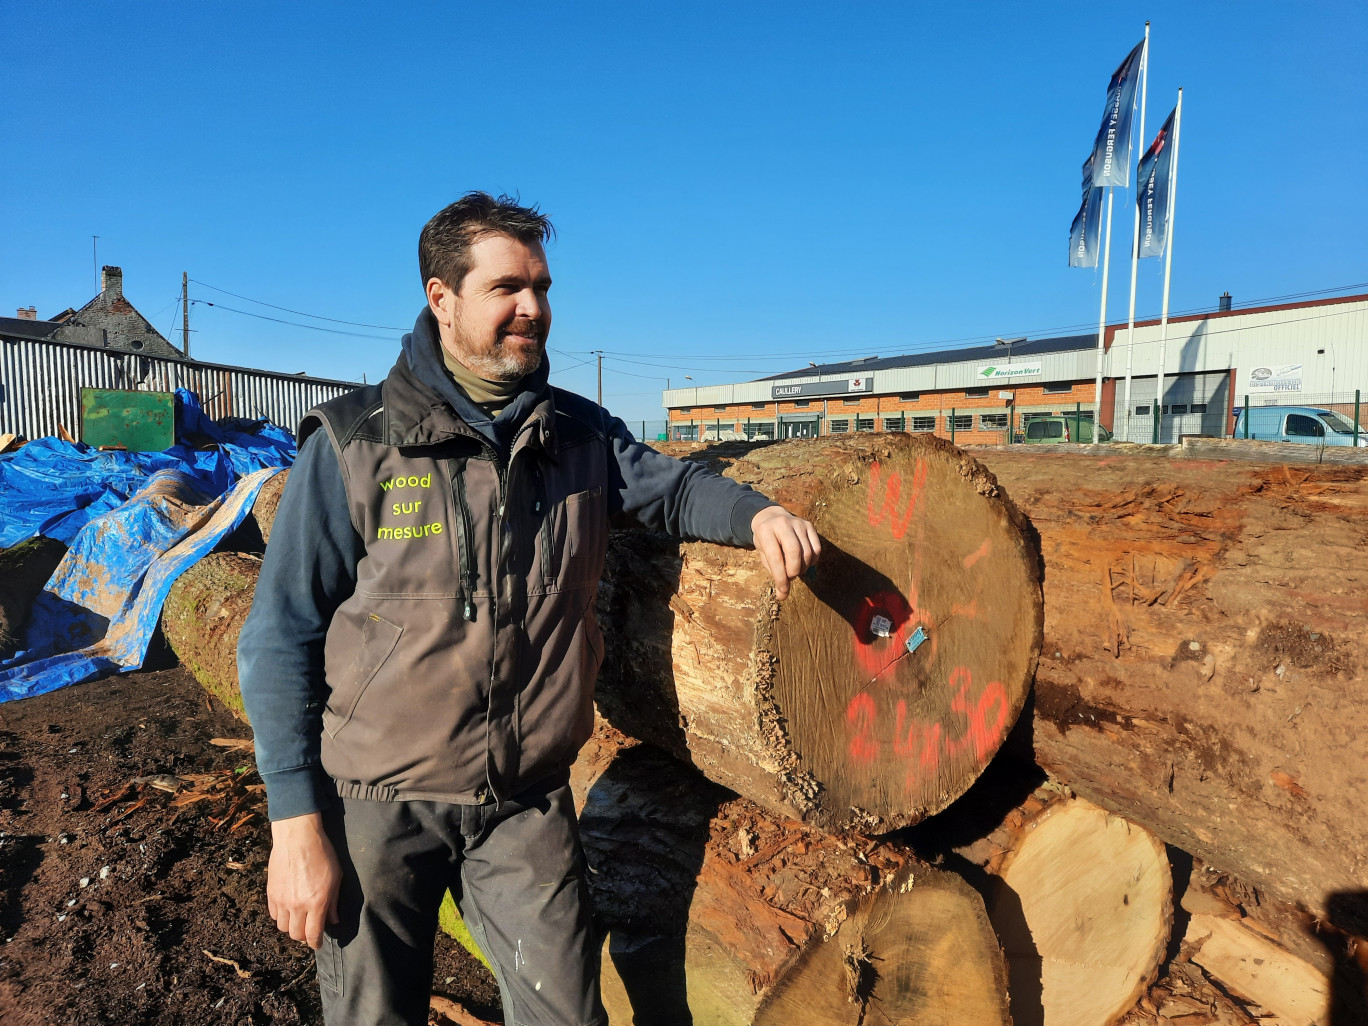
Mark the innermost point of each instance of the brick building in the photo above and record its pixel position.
(1312, 351)
(109, 321)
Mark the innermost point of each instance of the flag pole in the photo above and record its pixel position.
(1135, 234)
(1168, 263)
(1102, 320)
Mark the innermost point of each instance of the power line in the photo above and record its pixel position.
(297, 313)
(293, 324)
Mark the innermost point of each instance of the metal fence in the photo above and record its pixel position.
(41, 382)
(1175, 421)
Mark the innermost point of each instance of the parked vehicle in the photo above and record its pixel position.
(1310, 424)
(1061, 428)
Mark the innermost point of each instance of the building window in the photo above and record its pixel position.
(1197, 408)
(719, 409)
(993, 422)
(686, 433)
(759, 430)
(895, 423)
(800, 403)
(1058, 387)
(686, 409)
(1026, 418)
(864, 423)
(976, 393)
(850, 402)
(1178, 409)
(758, 406)
(1142, 411)
(923, 423)
(840, 427)
(963, 422)
(909, 397)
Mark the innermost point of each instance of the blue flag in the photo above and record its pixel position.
(1152, 191)
(1112, 149)
(1086, 229)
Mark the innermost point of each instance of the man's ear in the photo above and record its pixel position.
(441, 301)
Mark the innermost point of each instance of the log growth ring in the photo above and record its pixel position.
(916, 534)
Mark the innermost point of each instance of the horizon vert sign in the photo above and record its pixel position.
(999, 371)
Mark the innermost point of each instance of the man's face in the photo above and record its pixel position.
(498, 322)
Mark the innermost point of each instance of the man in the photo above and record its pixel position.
(418, 665)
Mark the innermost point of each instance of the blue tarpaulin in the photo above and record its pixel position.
(54, 488)
(133, 523)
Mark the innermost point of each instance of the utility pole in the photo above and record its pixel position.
(599, 354)
(185, 313)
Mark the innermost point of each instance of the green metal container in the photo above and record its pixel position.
(137, 421)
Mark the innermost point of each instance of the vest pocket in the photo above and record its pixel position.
(585, 522)
(378, 640)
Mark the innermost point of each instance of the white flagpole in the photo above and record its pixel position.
(1102, 321)
(1168, 262)
(1135, 234)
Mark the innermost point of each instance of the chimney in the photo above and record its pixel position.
(1224, 303)
(31, 314)
(111, 281)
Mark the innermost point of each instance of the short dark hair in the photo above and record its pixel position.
(444, 244)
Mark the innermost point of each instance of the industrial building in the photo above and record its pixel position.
(1312, 352)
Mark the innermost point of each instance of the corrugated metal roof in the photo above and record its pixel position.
(1035, 347)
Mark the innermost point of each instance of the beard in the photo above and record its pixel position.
(505, 360)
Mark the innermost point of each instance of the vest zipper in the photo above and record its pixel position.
(465, 529)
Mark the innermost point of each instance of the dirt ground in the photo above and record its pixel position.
(133, 859)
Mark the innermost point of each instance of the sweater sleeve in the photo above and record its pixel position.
(308, 571)
(683, 499)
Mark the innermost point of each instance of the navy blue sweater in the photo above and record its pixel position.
(310, 567)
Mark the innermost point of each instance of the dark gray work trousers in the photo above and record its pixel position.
(517, 873)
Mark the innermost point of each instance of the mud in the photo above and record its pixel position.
(98, 783)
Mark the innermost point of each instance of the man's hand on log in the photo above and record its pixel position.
(788, 545)
(302, 878)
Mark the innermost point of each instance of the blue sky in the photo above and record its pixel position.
(738, 188)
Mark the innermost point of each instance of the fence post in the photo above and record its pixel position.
(952, 425)
(1356, 417)
(1078, 423)
(1246, 416)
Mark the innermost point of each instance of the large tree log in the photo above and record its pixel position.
(814, 707)
(1204, 638)
(203, 616)
(720, 914)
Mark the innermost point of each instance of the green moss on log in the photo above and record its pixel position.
(203, 617)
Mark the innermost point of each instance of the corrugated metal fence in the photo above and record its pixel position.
(41, 382)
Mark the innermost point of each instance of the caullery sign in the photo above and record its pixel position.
(837, 386)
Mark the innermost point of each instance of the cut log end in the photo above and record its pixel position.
(1085, 915)
(920, 952)
(920, 544)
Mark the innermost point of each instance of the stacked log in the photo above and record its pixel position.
(1200, 638)
(718, 912)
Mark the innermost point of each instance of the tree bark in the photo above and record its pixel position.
(814, 707)
(1204, 634)
(203, 616)
(717, 912)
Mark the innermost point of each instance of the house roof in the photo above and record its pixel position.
(22, 327)
(1035, 347)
